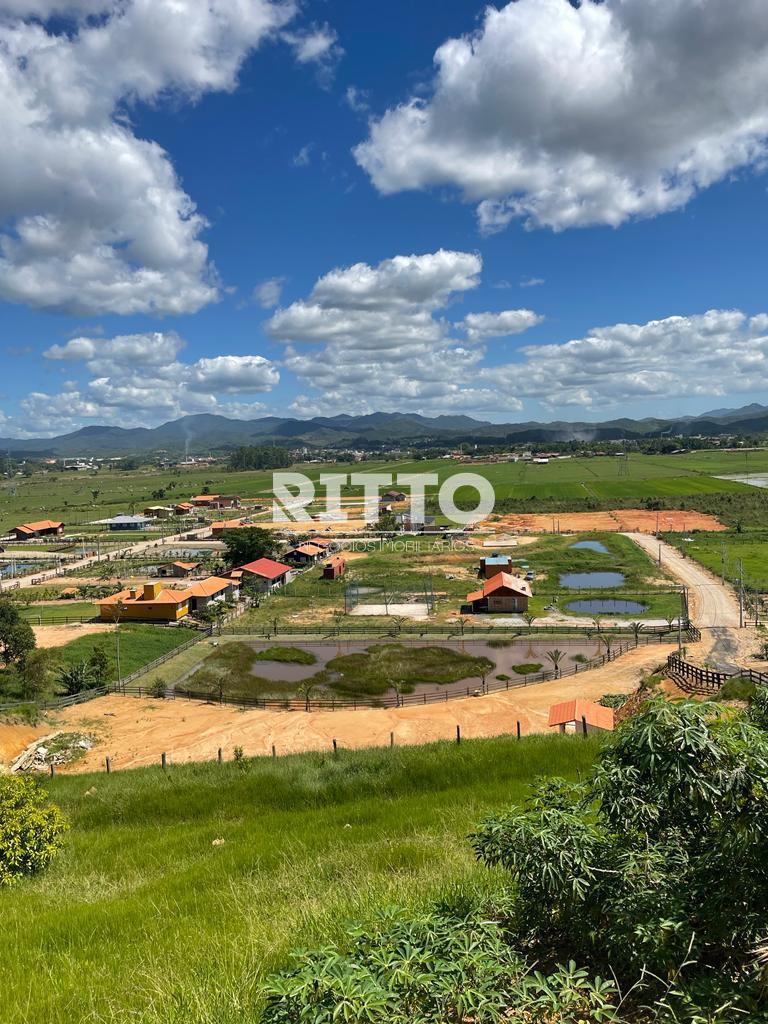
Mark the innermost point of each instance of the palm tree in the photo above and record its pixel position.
(637, 628)
(598, 623)
(607, 640)
(529, 620)
(556, 657)
(306, 690)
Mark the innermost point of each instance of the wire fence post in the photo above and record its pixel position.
(107, 765)
(458, 734)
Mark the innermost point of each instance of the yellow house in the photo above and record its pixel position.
(153, 603)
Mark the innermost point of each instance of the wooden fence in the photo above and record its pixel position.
(694, 679)
(649, 634)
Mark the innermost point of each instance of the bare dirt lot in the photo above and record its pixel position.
(57, 636)
(135, 731)
(635, 520)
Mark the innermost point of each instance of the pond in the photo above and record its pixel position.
(519, 652)
(591, 545)
(587, 580)
(606, 606)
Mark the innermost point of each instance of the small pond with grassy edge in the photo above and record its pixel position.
(606, 606)
(365, 669)
(591, 580)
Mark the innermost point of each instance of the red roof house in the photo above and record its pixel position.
(269, 572)
(502, 593)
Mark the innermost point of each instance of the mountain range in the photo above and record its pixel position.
(205, 433)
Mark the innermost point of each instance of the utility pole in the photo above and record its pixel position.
(741, 593)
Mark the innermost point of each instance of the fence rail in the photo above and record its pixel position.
(694, 679)
(277, 629)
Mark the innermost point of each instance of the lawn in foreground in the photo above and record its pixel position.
(143, 918)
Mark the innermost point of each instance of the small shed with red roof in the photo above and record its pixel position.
(580, 716)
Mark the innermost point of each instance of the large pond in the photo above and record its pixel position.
(591, 545)
(591, 580)
(606, 606)
(519, 652)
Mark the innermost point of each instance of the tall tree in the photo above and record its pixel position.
(247, 544)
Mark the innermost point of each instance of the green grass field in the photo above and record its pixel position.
(50, 614)
(139, 644)
(70, 497)
(722, 552)
(143, 919)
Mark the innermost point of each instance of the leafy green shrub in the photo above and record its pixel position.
(157, 688)
(31, 828)
(527, 669)
(613, 700)
(432, 969)
(737, 688)
(655, 867)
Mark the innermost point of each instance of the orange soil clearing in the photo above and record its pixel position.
(631, 520)
(135, 731)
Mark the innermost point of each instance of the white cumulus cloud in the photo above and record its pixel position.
(500, 325)
(565, 116)
(93, 219)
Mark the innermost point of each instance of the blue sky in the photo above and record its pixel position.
(362, 203)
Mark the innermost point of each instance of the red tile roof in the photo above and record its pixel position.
(501, 581)
(44, 524)
(309, 549)
(574, 710)
(267, 568)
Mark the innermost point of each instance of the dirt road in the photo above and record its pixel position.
(711, 604)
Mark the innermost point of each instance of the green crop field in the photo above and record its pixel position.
(143, 918)
(70, 496)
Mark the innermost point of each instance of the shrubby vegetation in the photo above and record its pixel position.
(31, 828)
(652, 872)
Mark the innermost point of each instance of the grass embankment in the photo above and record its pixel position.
(232, 669)
(143, 918)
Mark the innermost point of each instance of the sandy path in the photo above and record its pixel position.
(135, 731)
(711, 603)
